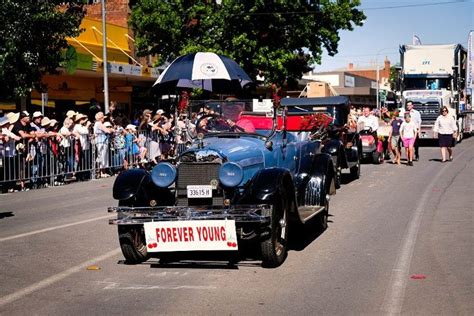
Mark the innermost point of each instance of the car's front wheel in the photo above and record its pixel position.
(132, 240)
(274, 247)
(132, 243)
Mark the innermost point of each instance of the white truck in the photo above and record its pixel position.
(433, 76)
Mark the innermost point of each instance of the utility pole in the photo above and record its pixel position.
(104, 59)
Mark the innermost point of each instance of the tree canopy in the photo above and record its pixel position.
(282, 38)
(32, 38)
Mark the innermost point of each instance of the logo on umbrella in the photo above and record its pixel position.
(209, 69)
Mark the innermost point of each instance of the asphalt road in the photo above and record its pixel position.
(400, 240)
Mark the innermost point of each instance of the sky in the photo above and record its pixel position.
(391, 23)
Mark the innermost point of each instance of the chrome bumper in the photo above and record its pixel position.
(139, 215)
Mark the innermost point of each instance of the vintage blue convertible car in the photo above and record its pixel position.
(248, 179)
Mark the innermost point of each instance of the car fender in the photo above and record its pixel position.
(266, 183)
(136, 187)
(335, 148)
(129, 183)
(324, 167)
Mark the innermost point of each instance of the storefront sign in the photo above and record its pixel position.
(125, 69)
(349, 81)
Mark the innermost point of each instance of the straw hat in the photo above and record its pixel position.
(37, 114)
(53, 122)
(70, 113)
(13, 117)
(45, 121)
(79, 117)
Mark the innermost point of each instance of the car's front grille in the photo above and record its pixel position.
(198, 174)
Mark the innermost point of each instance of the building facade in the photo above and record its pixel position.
(359, 84)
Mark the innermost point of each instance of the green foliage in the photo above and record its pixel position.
(280, 37)
(32, 37)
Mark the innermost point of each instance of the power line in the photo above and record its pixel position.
(414, 5)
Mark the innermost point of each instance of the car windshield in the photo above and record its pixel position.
(227, 117)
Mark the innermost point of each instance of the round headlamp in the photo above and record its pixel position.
(230, 174)
(163, 174)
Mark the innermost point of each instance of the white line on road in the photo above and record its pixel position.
(55, 278)
(119, 286)
(393, 301)
(44, 230)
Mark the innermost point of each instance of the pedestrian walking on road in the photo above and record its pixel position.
(445, 130)
(394, 137)
(416, 118)
(408, 133)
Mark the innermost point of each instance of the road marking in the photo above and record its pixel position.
(119, 286)
(55, 278)
(393, 300)
(44, 230)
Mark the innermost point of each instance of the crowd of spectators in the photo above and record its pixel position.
(38, 151)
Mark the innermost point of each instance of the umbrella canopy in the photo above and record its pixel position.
(208, 71)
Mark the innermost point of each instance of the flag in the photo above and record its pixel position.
(416, 40)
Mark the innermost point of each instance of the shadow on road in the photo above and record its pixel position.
(6, 214)
(307, 234)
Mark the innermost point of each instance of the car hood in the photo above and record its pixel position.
(221, 149)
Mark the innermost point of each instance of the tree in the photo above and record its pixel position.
(32, 38)
(282, 38)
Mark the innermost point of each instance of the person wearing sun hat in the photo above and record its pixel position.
(101, 133)
(38, 148)
(7, 152)
(84, 160)
(13, 117)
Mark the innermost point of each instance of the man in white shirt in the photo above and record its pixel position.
(367, 121)
(416, 118)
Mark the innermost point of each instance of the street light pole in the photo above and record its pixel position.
(104, 59)
(377, 96)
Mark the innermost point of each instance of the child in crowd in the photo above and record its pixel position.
(408, 133)
(394, 137)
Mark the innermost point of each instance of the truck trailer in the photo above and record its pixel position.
(433, 76)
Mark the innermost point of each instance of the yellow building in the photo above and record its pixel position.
(81, 77)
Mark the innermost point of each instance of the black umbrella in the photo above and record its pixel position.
(207, 71)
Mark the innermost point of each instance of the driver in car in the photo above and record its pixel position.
(368, 121)
(242, 125)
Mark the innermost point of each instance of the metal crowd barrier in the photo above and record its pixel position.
(46, 162)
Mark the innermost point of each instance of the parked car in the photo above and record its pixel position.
(251, 180)
(342, 141)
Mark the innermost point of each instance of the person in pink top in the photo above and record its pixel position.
(408, 133)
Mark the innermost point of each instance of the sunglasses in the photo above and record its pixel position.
(444, 111)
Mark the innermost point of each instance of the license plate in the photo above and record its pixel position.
(199, 191)
(213, 235)
(365, 143)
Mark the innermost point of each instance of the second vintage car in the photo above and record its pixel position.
(247, 179)
(342, 140)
